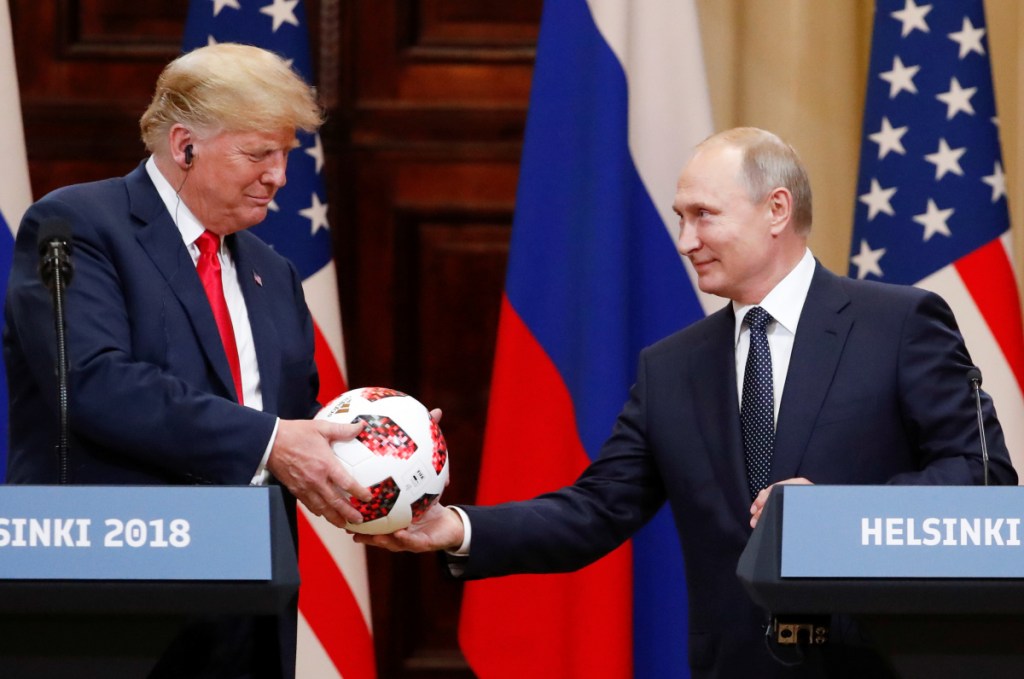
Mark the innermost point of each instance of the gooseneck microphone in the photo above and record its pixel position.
(974, 379)
(54, 242)
(56, 270)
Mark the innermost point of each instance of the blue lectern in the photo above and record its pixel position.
(97, 581)
(933, 575)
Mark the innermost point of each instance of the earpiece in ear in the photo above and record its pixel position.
(188, 155)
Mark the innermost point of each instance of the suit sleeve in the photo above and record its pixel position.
(121, 400)
(574, 526)
(938, 405)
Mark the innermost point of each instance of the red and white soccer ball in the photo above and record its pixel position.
(400, 455)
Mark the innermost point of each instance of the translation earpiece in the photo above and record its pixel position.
(188, 155)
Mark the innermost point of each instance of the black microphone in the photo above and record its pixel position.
(54, 242)
(974, 379)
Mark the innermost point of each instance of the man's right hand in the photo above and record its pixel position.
(440, 528)
(303, 461)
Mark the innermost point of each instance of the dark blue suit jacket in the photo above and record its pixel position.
(151, 395)
(876, 393)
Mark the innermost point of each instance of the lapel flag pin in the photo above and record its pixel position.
(256, 277)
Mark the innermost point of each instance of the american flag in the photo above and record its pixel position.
(931, 203)
(335, 637)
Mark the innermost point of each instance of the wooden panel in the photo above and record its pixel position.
(449, 272)
(135, 30)
(84, 82)
(437, 96)
(491, 27)
(402, 60)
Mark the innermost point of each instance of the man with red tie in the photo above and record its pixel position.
(189, 342)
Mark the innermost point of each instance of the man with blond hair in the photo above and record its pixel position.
(804, 377)
(189, 341)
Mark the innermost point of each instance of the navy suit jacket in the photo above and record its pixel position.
(876, 393)
(151, 395)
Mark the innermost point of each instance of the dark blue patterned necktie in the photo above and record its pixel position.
(757, 410)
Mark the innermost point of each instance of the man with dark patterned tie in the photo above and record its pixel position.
(804, 377)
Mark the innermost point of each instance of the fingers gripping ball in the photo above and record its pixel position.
(400, 455)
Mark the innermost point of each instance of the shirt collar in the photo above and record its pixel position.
(189, 227)
(786, 300)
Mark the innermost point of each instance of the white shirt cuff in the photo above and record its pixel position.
(463, 549)
(262, 476)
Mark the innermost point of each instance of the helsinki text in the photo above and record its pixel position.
(78, 532)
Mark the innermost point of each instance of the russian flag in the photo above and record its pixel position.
(15, 191)
(619, 99)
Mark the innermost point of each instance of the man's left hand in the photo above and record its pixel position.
(762, 498)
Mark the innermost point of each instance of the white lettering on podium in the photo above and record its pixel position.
(899, 531)
(870, 533)
(33, 532)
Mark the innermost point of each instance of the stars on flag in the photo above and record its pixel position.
(878, 200)
(946, 160)
(930, 146)
(867, 260)
(997, 180)
(889, 138)
(912, 16)
(317, 152)
(316, 213)
(218, 5)
(969, 39)
(900, 78)
(282, 12)
(957, 99)
(934, 220)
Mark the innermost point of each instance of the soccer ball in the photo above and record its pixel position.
(400, 455)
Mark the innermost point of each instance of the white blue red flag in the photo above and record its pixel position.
(335, 633)
(15, 191)
(618, 101)
(931, 208)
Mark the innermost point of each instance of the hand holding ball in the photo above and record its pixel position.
(400, 455)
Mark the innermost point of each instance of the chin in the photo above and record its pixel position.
(253, 217)
(710, 287)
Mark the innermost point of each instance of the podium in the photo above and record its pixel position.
(934, 576)
(97, 581)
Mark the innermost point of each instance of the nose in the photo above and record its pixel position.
(687, 242)
(276, 171)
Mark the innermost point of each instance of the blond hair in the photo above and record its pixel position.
(228, 87)
(769, 163)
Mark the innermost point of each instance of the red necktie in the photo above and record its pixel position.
(208, 268)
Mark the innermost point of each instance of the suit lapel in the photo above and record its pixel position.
(713, 370)
(161, 240)
(819, 343)
(264, 332)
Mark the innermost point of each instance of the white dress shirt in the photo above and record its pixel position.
(190, 229)
(784, 304)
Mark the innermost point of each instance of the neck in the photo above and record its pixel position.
(174, 175)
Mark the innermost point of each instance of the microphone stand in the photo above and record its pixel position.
(54, 257)
(974, 379)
